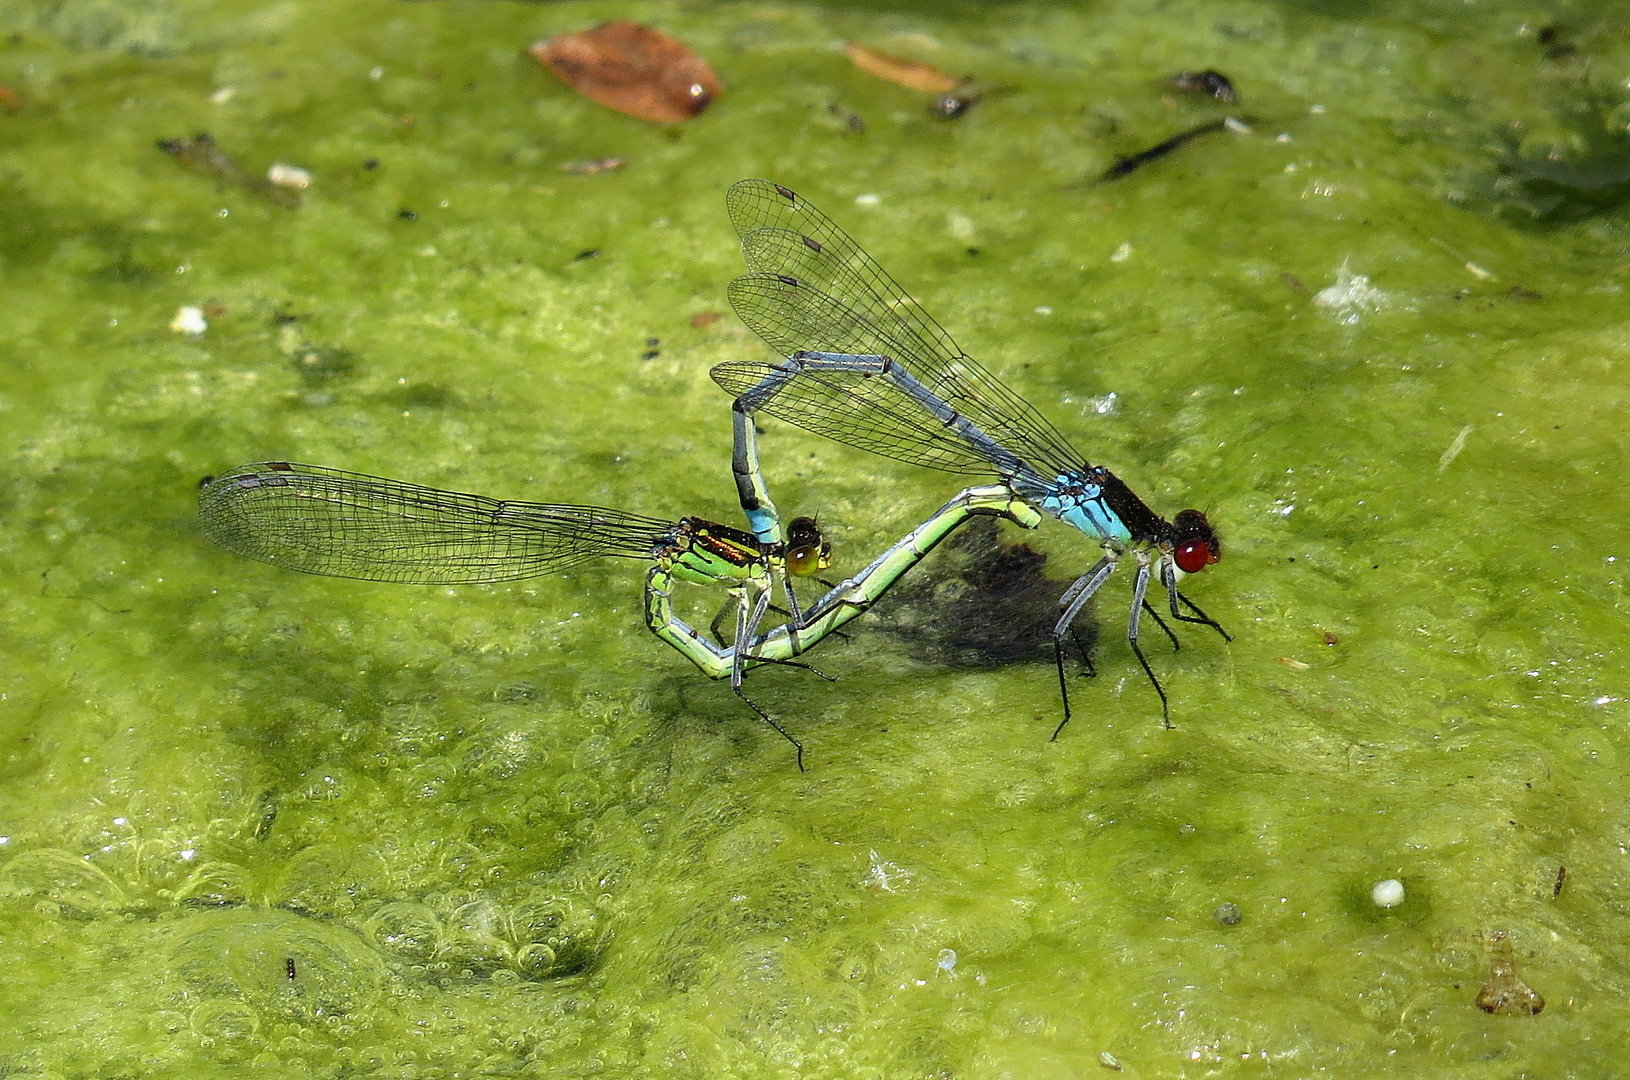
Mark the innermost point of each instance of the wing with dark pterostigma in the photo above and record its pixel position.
(813, 288)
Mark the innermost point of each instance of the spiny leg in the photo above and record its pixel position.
(1086, 658)
(1165, 707)
(811, 668)
(1168, 578)
(1203, 619)
(764, 716)
(1140, 592)
(1074, 599)
(844, 602)
(716, 663)
(754, 598)
(1155, 615)
(716, 627)
(795, 614)
(1063, 685)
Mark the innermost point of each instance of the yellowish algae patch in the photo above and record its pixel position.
(320, 827)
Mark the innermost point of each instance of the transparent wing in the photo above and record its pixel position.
(863, 310)
(343, 524)
(861, 410)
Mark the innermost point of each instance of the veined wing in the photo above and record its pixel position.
(783, 235)
(344, 524)
(864, 410)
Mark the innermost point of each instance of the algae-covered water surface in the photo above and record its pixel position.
(1376, 328)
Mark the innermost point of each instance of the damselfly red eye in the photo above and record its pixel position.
(1194, 556)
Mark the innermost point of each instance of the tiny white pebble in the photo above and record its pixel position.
(867, 200)
(223, 95)
(189, 320)
(1121, 254)
(1044, 310)
(289, 176)
(1388, 893)
(376, 73)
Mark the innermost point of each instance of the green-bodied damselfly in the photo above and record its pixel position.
(342, 524)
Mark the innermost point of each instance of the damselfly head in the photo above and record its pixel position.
(1195, 544)
(807, 551)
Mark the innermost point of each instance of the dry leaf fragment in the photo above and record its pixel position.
(912, 74)
(1505, 994)
(633, 69)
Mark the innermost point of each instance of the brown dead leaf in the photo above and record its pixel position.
(1504, 994)
(633, 69)
(912, 74)
(9, 98)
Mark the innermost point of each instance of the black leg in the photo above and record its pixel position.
(1092, 670)
(1063, 684)
(1165, 706)
(764, 716)
(1155, 615)
(794, 663)
(713, 627)
(1203, 619)
(839, 634)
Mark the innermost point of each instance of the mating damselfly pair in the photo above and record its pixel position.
(860, 362)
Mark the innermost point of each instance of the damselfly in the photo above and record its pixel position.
(866, 365)
(342, 524)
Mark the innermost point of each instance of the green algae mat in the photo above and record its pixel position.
(257, 823)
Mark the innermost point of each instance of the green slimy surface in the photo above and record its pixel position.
(504, 832)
